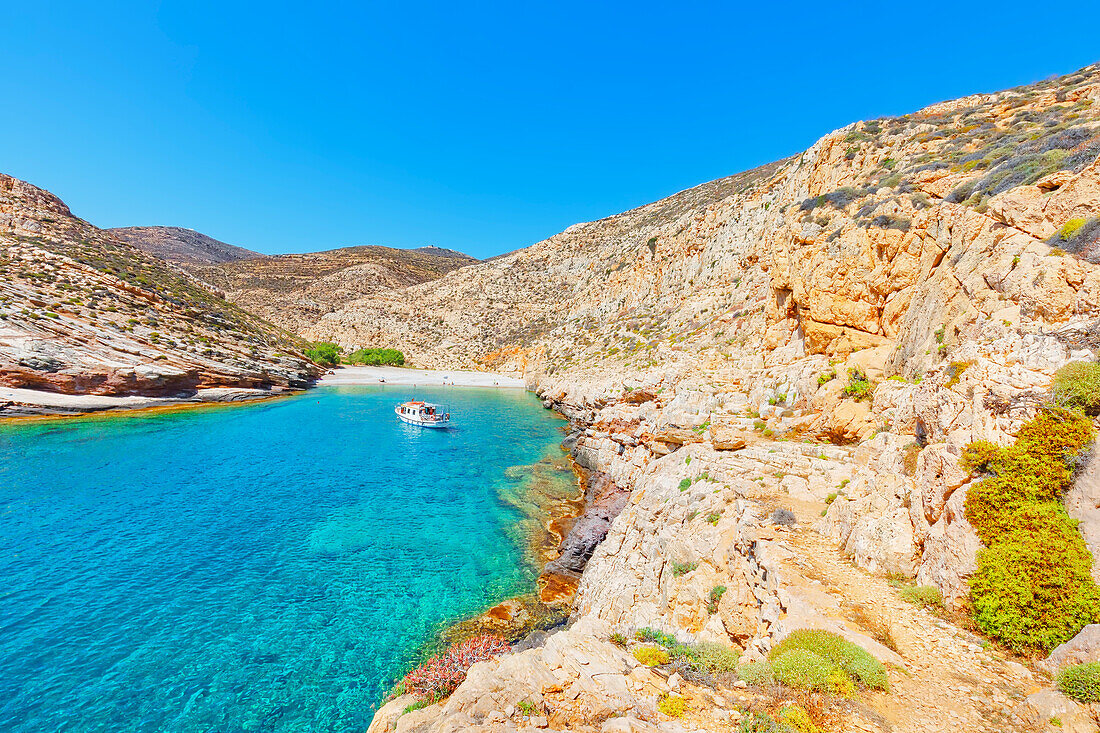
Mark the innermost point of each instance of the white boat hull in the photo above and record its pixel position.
(413, 419)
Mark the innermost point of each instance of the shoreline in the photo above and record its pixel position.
(379, 375)
(19, 403)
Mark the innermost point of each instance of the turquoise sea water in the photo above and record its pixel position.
(269, 567)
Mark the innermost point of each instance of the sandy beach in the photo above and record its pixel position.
(427, 377)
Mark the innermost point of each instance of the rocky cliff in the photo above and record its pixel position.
(84, 312)
(783, 368)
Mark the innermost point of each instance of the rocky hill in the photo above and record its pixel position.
(297, 290)
(84, 312)
(182, 246)
(784, 368)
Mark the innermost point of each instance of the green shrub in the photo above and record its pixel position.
(659, 637)
(685, 484)
(926, 596)
(713, 517)
(526, 707)
(672, 706)
(683, 568)
(802, 669)
(324, 353)
(1077, 384)
(1032, 589)
(651, 656)
(617, 639)
(826, 377)
(757, 673)
(376, 357)
(1081, 682)
(715, 597)
(981, 456)
(840, 653)
(859, 387)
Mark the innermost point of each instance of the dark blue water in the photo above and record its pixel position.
(261, 568)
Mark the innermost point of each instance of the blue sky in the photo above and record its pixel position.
(483, 127)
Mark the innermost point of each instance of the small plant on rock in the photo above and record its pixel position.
(859, 386)
(651, 656)
(673, 706)
(1081, 682)
(683, 568)
(714, 598)
(617, 639)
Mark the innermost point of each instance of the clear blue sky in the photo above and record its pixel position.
(482, 127)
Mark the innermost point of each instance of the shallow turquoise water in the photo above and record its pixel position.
(262, 568)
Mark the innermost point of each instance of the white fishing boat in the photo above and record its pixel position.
(424, 414)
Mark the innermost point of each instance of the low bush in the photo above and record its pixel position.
(706, 656)
(853, 660)
(1077, 384)
(324, 353)
(685, 484)
(672, 706)
(797, 718)
(802, 669)
(617, 639)
(1032, 589)
(651, 656)
(925, 596)
(756, 673)
(659, 637)
(440, 675)
(980, 456)
(1081, 682)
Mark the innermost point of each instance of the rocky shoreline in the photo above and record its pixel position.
(27, 403)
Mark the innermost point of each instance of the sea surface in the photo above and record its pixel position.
(270, 567)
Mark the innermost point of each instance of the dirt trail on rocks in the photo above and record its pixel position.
(952, 684)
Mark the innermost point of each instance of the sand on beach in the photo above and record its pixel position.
(425, 377)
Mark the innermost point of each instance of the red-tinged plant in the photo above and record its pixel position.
(441, 675)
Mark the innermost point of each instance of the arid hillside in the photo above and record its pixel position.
(297, 290)
(84, 312)
(829, 387)
(182, 246)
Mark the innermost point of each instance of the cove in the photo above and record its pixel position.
(270, 567)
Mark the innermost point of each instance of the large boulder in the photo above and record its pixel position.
(1085, 647)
